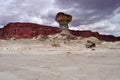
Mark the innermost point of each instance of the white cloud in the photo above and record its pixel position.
(95, 15)
(24, 10)
(109, 26)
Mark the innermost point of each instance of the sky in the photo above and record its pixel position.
(101, 16)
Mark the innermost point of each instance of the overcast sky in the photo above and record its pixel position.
(102, 16)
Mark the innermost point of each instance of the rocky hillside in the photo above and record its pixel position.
(30, 30)
(26, 30)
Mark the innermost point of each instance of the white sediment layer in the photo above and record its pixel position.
(38, 60)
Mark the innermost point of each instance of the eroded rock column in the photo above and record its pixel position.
(63, 20)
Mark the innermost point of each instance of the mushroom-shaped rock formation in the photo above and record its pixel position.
(63, 20)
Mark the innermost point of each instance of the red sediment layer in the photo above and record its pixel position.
(30, 30)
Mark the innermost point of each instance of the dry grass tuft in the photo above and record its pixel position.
(55, 44)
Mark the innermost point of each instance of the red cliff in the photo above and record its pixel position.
(25, 30)
(30, 30)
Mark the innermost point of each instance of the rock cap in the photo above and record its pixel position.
(63, 17)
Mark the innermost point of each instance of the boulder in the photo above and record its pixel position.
(90, 44)
(92, 39)
(63, 17)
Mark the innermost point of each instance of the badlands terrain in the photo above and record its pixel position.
(33, 59)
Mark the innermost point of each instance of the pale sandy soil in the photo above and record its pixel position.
(37, 60)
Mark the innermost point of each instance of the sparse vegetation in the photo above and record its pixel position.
(55, 44)
(90, 44)
(42, 37)
(13, 38)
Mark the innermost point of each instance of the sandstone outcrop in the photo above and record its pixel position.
(63, 20)
(26, 30)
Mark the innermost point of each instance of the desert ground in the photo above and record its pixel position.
(29, 59)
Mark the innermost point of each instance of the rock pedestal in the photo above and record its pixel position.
(63, 20)
(63, 25)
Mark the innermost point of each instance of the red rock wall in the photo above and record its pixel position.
(30, 30)
(1, 33)
(89, 33)
(27, 30)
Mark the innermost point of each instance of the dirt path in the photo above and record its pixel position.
(59, 67)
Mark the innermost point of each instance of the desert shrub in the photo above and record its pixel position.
(90, 44)
(55, 44)
(13, 38)
(42, 38)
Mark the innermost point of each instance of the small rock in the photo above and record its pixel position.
(90, 44)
